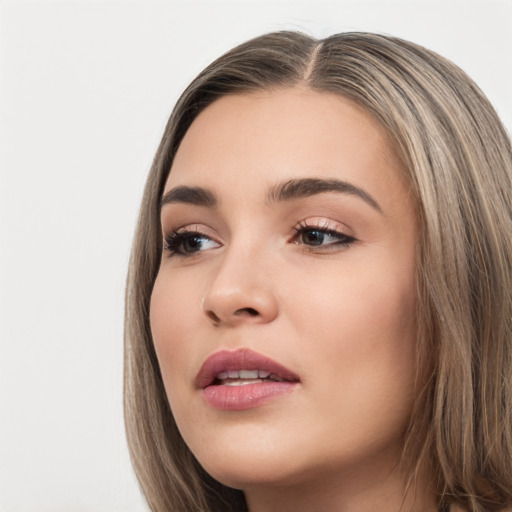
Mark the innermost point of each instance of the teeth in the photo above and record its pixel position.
(241, 382)
(248, 374)
(243, 377)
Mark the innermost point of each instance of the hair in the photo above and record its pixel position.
(458, 160)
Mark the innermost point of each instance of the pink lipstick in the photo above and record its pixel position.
(243, 379)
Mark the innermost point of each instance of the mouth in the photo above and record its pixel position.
(241, 367)
(243, 379)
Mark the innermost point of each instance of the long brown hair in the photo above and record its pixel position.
(458, 159)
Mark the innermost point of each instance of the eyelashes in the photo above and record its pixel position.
(316, 237)
(188, 241)
(321, 236)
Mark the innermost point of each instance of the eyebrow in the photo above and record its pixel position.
(197, 196)
(287, 191)
(305, 187)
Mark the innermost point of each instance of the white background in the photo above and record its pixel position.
(85, 91)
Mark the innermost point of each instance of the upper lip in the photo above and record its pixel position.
(242, 359)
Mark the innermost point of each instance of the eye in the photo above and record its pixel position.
(186, 242)
(321, 236)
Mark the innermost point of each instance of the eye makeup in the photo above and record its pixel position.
(188, 241)
(317, 235)
(321, 235)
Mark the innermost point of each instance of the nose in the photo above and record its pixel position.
(241, 292)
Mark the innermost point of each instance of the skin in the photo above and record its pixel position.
(341, 316)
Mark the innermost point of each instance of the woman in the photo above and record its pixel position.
(319, 300)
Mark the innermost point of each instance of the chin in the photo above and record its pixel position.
(246, 473)
(243, 456)
(249, 457)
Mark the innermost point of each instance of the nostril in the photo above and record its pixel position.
(212, 316)
(248, 311)
(239, 314)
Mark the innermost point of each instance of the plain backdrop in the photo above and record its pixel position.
(85, 91)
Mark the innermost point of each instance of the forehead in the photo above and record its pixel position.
(255, 140)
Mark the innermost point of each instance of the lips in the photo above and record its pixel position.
(241, 364)
(243, 379)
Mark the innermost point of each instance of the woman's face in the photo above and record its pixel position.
(289, 256)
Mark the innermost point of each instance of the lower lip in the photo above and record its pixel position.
(238, 398)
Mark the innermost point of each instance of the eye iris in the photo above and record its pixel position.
(192, 244)
(313, 237)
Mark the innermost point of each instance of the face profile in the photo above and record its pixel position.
(320, 280)
(296, 335)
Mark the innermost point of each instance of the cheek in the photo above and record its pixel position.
(361, 333)
(173, 321)
(361, 296)
(172, 308)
